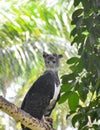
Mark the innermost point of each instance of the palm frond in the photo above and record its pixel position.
(28, 30)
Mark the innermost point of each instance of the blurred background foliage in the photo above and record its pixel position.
(27, 28)
(81, 87)
(70, 27)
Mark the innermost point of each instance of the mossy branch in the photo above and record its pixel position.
(20, 115)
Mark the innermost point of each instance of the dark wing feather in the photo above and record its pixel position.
(39, 95)
(51, 107)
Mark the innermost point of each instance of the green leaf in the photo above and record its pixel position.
(75, 40)
(73, 60)
(77, 13)
(83, 122)
(76, 2)
(77, 21)
(82, 90)
(85, 128)
(73, 101)
(64, 97)
(76, 118)
(95, 126)
(73, 32)
(66, 78)
(78, 68)
(66, 87)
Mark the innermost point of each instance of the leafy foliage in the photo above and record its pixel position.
(84, 94)
(26, 29)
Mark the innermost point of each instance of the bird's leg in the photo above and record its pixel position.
(48, 121)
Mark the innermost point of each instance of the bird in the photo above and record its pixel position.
(42, 96)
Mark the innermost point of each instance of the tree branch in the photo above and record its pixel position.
(20, 115)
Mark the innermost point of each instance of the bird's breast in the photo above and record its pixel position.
(56, 91)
